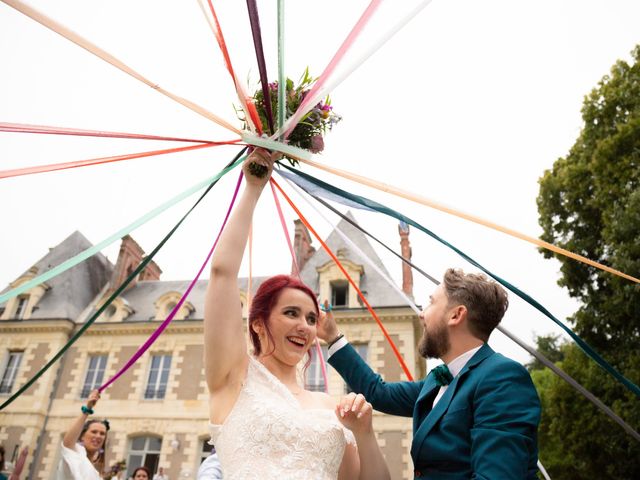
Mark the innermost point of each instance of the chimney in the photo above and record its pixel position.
(405, 250)
(151, 272)
(129, 258)
(301, 246)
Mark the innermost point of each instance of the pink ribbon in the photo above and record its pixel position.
(297, 270)
(348, 42)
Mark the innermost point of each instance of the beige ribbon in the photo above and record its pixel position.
(107, 57)
(472, 218)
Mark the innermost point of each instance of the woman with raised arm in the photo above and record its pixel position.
(83, 446)
(263, 422)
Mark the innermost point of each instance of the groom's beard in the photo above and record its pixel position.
(435, 343)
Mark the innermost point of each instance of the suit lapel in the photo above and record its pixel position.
(422, 428)
(424, 402)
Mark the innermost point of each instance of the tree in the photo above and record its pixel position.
(549, 346)
(589, 203)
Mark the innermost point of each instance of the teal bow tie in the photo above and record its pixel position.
(442, 375)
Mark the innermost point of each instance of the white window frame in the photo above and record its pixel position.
(95, 374)
(22, 302)
(155, 391)
(314, 380)
(144, 452)
(10, 373)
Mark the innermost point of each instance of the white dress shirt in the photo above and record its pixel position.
(455, 367)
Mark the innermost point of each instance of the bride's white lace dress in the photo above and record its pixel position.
(269, 435)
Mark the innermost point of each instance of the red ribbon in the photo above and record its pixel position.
(98, 161)
(353, 284)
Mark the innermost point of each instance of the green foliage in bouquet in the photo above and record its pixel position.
(309, 132)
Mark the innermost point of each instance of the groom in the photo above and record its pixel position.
(476, 419)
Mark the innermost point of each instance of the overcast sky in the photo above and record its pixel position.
(467, 105)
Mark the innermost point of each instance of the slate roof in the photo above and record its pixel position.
(73, 290)
(143, 296)
(374, 287)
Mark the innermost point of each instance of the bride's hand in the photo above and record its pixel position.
(355, 413)
(258, 166)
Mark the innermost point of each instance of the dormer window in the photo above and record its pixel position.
(340, 293)
(167, 302)
(169, 308)
(21, 306)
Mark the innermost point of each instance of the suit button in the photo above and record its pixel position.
(417, 473)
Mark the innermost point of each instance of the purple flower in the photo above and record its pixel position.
(317, 144)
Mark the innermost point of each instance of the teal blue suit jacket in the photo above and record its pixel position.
(484, 426)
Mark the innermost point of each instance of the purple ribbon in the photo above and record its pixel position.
(154, 336)
(262, 66)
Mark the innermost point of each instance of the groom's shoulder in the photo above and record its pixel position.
(496, 362)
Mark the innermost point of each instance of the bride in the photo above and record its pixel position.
(264, 424)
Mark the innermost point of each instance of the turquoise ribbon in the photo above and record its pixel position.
(235, 162)
(82, 256)
(373, 205)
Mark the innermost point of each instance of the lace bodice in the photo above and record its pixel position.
(268, 434)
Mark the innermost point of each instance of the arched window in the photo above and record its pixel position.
(144, 451)
(167, 302)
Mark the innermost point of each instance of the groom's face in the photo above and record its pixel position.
(435, 337)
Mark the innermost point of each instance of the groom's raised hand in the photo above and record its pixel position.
(327, 329)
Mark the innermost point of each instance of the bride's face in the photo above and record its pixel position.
(292, 324)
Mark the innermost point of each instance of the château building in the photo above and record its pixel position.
(158, 410)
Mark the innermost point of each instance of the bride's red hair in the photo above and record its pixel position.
(265, 299)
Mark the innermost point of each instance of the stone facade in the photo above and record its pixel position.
(165, 422)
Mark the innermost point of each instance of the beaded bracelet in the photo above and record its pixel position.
(86, 410)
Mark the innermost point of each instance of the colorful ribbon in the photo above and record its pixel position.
(558, 371)
(306, 104)
(384, 187)
(296, 269)
(73, 261)
(161, 328)
(371, 204)
(235, 162)
(252, 118)
(348, 277)
(330, 86)
(254, 19)
(282, 81)
(49, 130)
(107, 57)
(96, 161)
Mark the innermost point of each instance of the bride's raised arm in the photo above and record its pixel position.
(225, 348)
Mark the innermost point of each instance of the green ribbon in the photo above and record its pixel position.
(282, 81)
(277, 146)
(82, 256)
(373, 205)
(212, 181)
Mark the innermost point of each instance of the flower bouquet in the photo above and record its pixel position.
(310, 130)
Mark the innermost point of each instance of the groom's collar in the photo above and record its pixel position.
(458, 363)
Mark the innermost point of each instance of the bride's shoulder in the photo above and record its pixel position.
(324, 400)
